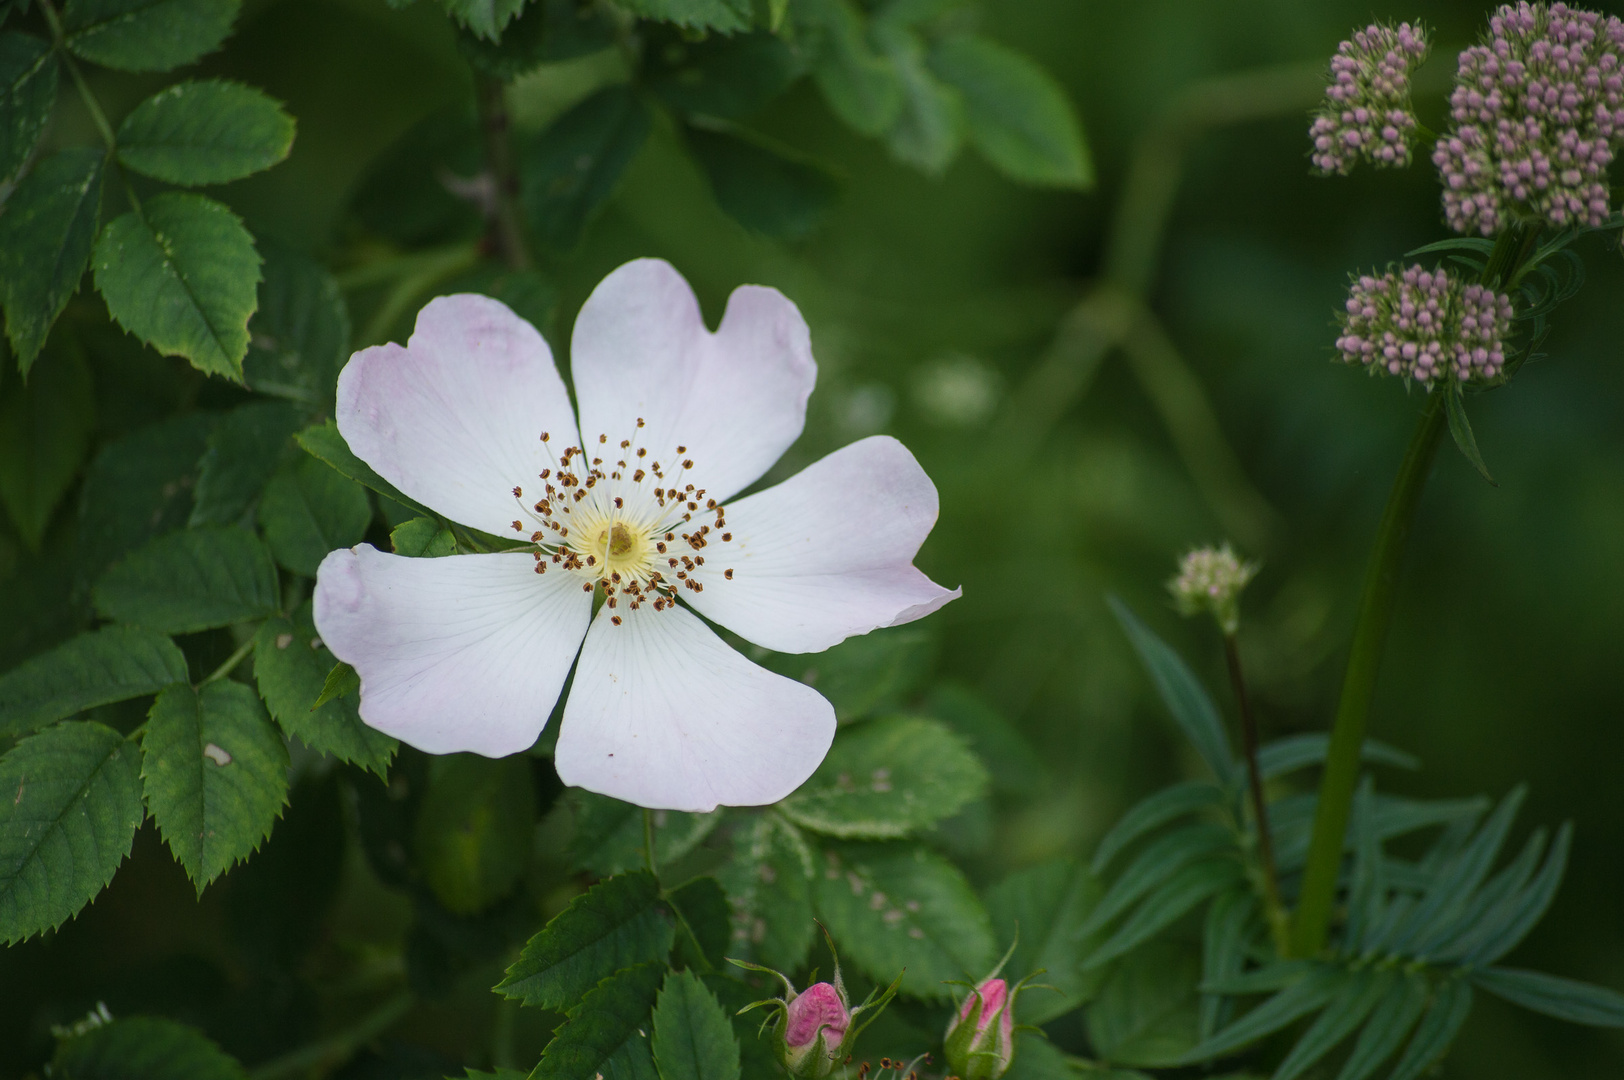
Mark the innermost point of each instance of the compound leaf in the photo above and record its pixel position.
(144, 1048)
(309, 510)
(102, 666)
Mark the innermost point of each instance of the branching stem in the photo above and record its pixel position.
(230, 664)
(507, 226)
(1278, 924)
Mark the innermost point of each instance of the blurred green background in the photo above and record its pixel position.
(934, 306)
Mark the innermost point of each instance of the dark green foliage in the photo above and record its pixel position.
(485, 18)
(763, 186)
(865, 675)
(1192, 709)
(422, 538)
(243, 453)
(723, 15)
(46, 234)
(1145, 1012)
(193, 580)
(1041, 910)
(73, 801)
(146, 35)
(607, 1031)
(609, 833)
(144, 1048)
(473, 829)
(404, 197)
(721, 77)
(139, 487)
(693, 1039)
(96, 668)
(704, 930)
(299, 334)
(324, 442)
(45, 432)
(862, 88)
(571, 169)
(768, 882)
(309, 510)
(209, 132)
(28, 78)
(546, 31)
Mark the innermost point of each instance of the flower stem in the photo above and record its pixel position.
(1279, 925)
(648, 841)
(507, 226)
(230, 664)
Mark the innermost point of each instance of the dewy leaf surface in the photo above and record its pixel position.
(208, 132)
(28, 79)
(102, 666)
(693, 1039)
(70, 808)
(146, 35)
(182, 275)
(607, 1033)
(191, 580)
(215, 772)
(144, 1048)
(615, 924)
(46, 234)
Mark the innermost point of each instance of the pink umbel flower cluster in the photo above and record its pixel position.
(1367, 110)
(1425, 325)
(1538, 112)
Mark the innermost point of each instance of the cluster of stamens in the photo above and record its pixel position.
(624, 525)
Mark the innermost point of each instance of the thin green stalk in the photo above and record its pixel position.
(230, 665)
(339, 1046)
(648, 840)
(1279, 924)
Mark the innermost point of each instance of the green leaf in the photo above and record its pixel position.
(1167, 805)
(1181, 692)
(693, 1038)
(768, 884)
(929, 129)
(1460, 429)
(243, 453)
(609, 833)
(215, 772)
(1339, 1020)
(762, 185)
(189, 581)
(181, 274)
(146, 35)
(1182, 893)
(342, 681)
(71, 805)
(1160, 860)
(1565, 999)
(546, 31)
(209, 132)
(1011, 761)
(1503, 929)
(866, 675)
(28, 76)
(115, 663)
(139, 487)
(474, 829)
(704, 926)
(486, 18)
(1041, 909)
(1306, 995)
(724, 15)
(46, 232)
(886, 779)
(1226, 941)
(721, 77)
(569, 171)
(606, 1034)
(309, 510)
(1294, 752)
(299, 335)
(1036, 1058)
(403, 195)
(323, 441)
(893, 906)
(422, 538)
(290, 667)
(1145, 1013)
(1436, 1031)
(1388, 1026)
(1017, 114)
(144, 1048)
(860, 86)
(617, 923)
(45, 430)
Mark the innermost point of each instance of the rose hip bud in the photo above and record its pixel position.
(980, 1041)
(814, 1031)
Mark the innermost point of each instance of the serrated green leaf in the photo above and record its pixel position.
(71, 805)
(243, 453)
(144, 1048)
(47, 231)
(1436, 1031)
(1308, 994)
(929, 129)
(323, 441)
(1294, 752)
(486, 18)
(1166, 904)
(894, 906)
(181, 274)
(1017, 114)
(1145, 1013)
(1565, 999)
(616, 924)
(28, 77)
(191, 580)
(724, 15)
(768, 884)
(1158, 862)
(1388, 1026)
(309, 510)
(290, 668)
(139, 487)
(300, 333)
(1181, 692)
(569, 171)
(762, 185)
(422, 538)
(1167, 805)
(693, 1038)
(1460, 429)
(215, 773)
(861, 87)
(609, 833)
(209, 132)
(546, 31)
(703, 923)
(342, 681)
(146, 35)
(1041, 909)
(886, 779)
(1345, 1013)
(45, 430)
(115, 663)
(474, 829)
(607, 1033)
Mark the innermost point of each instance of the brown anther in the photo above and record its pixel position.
(660, 547)
(614, 618)
(637, 477)
(619, 502)
(688, 463)
(518, 493)
(670, 536)
(642, 451)
(545, 436)
(693, 506)
(728, 574)
(517, 527)
(700, 560)
(586, 586)
(610, 601)
(591, 560)
(726, 537)
(625, 443)
(682, 449)
(603, 438)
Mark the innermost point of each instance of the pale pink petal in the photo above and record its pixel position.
(735, 399)
(466, 652)
(826, 554)
(662, 713)
(455, 417)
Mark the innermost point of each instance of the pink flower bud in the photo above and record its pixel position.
(980, 1042)
(816, 1011)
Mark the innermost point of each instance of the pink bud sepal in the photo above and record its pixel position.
(815, 1029)
(980, 1040)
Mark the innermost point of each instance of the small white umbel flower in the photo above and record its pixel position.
(470, 652)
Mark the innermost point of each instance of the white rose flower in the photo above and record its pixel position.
(470, 652)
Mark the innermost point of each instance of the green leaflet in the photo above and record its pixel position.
(1388, 1026)
(422, 538)
(724, 15)
(102, 666)
(28, 78)
(1565, 999)
(182, 275)
(144, 1048)
(762, 185)
(693, 1038)
(45, 430)
(139, 487)
(486, 18)
(615, 924)
(146, 35)
(474, 829)
(209, 132)
(607, 1033)
(1015, 767)
(1145, 1013)
(1017, 114)
(323, 441)
(1460, 429)
(243, 453)
(71, 807)
(859, 85)
(609, 833)
(46, 235)
(1302, 997)
(1345, 1013)
(1226, 940)
(721, 77)
(1150, 814)
(1165, 905)
(1436, 1031)
(215, 772)
(1158, 862)
(569, 171)
(1294, 752)
(768, 883)
(886, 779)
(546, 30)
(191, 580)
(896, 906)
(929, 129)
(704, 928)
(290, 668)
(1041, 909)
(309, 510)
(300, 333)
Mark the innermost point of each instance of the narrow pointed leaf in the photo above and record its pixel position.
(1186, 889)
(1295, 752)
(1159, 861)
(1460, 429)
(191, 580)
(1461, 876)
(693, 1038)
(1231, 923)
(1531, 904)
(102, 666)
(1388, 1026)
(1309, 994)
(1436, 1031)
(1168, 804)
(1488, 912)
(1192, 709)
(1565, 999)
(1339, 1020)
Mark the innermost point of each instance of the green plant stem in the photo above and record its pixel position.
(230, 664)
(648, 841)
(1279, 925)
(507, 225)
(339, 1045)
(92, 106)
